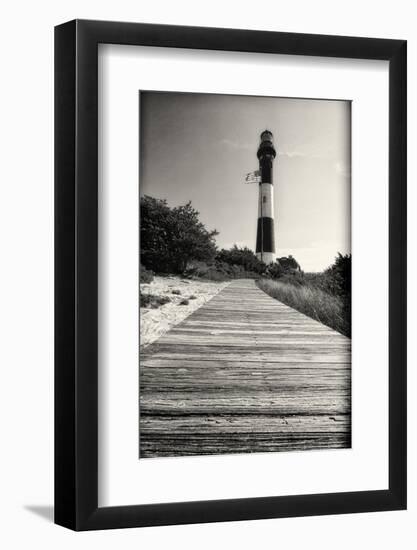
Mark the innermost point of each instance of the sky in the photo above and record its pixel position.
(199, 147)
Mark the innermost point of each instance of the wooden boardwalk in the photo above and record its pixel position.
(245, 373)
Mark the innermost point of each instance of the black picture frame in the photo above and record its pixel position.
(76, 272)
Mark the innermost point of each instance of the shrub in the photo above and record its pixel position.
(288, 263)
(171, 237)
(145, 275)
(196, 269)
(241, 257)
(285, 266)
(217, 276)
(192, 297)
(339, 275)
(275, 271)
(176, 291)
(202, 270)
(184, 302)
(294, 278)
(218, 271)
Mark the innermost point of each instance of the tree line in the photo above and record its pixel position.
(174, 240)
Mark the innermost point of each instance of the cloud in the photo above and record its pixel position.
(339, 166)
(300, 154)
(291, 154)
(236, 145)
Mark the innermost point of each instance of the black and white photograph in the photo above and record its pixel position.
(245, 274)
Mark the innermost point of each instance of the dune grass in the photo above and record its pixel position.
(153, 301)
(314, 302)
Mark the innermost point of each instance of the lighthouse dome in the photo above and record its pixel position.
(266, 147)
(267, 136)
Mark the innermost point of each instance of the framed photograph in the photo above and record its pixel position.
(230, 248)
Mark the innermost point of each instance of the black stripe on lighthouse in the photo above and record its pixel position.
(265, 230)
(266, 170)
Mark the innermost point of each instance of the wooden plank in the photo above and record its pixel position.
(283, 355)
(245, 366)
(254, 358)
(182, 445)
(191, 379)
(230, 424)
(302, 403)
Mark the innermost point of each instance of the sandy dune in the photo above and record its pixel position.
(155, 322)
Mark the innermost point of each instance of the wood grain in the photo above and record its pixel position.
(245, 373)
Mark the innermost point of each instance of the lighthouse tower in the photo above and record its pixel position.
(265, 237)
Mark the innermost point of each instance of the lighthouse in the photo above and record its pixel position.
(265, 237)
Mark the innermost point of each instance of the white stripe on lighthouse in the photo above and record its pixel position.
(266, 201)
(266, 257)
